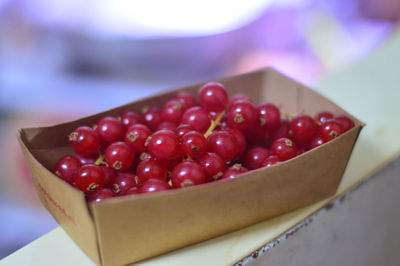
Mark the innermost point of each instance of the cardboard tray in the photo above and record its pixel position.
(132, 228)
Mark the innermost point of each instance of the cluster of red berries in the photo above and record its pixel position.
(185, 144)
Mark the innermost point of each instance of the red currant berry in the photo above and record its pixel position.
(197, 117)
(109, 176)
(234, 171)
(123, 183)
(345, 122)
(241, 115)
(283, 131)
(213, 97)
(224, 144)
(89, 178)
(131, 118)
(152, 118)
(257, 134)
(194, 144)
(330, 130)
(111, 129)
(132, 191)
(187, 100)
(84, 141)
(166, 125)
(150, 169)
(213, 166)
(182, 129)
(240, 138)
(270, 161)
(136, 137)
(268, 116)
(317, 141)
(67, 167)
(86, 160)
(284, 148)
(187, 174)
(304, 128)
(323, 116)
(170, 164)
(100, 195)
(255, 157)
(154, 185)
(119, 156)
(164, 145)
(172, 112)
(239, 97)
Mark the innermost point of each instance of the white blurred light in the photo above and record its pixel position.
(149, 18)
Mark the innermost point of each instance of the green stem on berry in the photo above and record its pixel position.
(214, 124)
(100, 160)
(288, 116)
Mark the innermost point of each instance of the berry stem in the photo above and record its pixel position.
(288, 116)
(100, 160)
(214, 124)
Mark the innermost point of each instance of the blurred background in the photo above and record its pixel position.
(60, 60)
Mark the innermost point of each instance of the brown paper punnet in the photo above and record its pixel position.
(132, 228)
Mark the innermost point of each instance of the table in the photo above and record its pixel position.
(365, 218)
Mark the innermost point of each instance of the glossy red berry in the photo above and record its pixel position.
(109, 176)
(234, 171)
(132, 191)
(270, 161)
(345, 122)
(239, 97)
(172, 112)
(187, 100)
(255, 157)
(197, 117)
(284, 148)
(89, 178)
(240, 138)
(317, 141)
(154, 185)
(166, 125)
(213, 97)
(213, 166)
(84, 141)
(257, 134)
(193, 144)
(163, 145)
(87, 160)
(268, 116)
(224, 144)
(136, 137)
(119, 156)
(187, 174)
(100, 195)
(304, 128)
(67, 167)
(171, 163)
(152, 118)
(330, 130)
(111, 129)
(150, 169)
(182, 129)
(123, 183)
(324, 116)
(283, 131)
(241, 115)
(130, 118)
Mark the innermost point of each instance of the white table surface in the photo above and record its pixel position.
(369, 90)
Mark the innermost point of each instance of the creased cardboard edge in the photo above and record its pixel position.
(94, 255)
